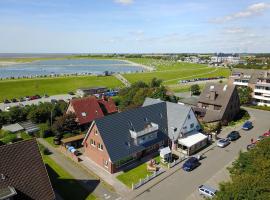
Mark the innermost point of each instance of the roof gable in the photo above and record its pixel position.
(23, 169)
(86, 109)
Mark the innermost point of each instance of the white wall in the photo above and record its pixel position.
(189, 122)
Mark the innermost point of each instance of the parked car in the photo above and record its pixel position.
(54, 101)
(22, 99)
(14, 100)
(46, 96)
(6, 101)
(27, 98)
(267, 134)
(234, 135)
(247, 125)
(71, 93)
(191, 164)
(7, 108)
(260, 138)
(223, 142)
(250, 146)
(207, 191)
(38, 96)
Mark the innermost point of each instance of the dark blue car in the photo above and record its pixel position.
(191, 164)
(247, 125)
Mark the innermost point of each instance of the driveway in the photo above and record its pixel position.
(183, 185)
(64, 97)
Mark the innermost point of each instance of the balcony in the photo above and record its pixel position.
(261, 97)
(152, 127)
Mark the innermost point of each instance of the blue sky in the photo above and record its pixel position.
(134, 26)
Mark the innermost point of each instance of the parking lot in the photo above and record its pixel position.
(64, 97)
(184, 185)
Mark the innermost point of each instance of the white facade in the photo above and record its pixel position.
(262, 94)
(191, 124)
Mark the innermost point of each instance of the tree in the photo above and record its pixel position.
(65, 123)
(245, 94)
(250, 175)
(195, 89)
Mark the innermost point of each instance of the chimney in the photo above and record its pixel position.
(212, 95)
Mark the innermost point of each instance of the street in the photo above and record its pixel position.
(183, 185)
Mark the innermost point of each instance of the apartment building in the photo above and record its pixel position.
(258, 80)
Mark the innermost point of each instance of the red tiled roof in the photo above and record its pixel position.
(108, 106)
(23, 169)
(86, 109)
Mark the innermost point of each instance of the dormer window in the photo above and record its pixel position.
(84, 114)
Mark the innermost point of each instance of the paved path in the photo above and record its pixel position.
(122, 79)
(183, 185)
(88, 181)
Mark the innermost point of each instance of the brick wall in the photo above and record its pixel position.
(101, 157)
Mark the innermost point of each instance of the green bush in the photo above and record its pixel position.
(9, 138)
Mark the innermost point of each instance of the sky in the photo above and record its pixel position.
(134, 26)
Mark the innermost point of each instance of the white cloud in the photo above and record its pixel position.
(235, 30)
(252, 10)
(124, 2)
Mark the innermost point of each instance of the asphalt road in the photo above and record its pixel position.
(64, 97)
(183, 185)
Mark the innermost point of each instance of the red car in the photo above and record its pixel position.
(267, 134)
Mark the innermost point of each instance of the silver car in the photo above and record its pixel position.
(223, 142)
(207, 191)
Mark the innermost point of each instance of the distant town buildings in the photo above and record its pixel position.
(222, 58)
(258, 80)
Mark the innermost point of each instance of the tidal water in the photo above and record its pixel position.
(69, 66)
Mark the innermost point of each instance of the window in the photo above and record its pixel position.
(192, 125)
(106, 163)
(92, 142)
(188, 116)
(96, 132)
(100, 146)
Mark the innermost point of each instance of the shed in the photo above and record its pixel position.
(13, 128)
(75, 141)
(165, 154)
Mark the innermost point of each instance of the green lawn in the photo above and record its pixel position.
(50, 141)
(134, 175)
(173, 77)
(64, 183)
(51, 86)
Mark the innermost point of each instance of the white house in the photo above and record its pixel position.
(183, 127)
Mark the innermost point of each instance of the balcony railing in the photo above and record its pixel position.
(151, 128)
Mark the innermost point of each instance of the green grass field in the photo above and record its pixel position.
(23, 87)
(64, 183)
(169, 71)
(173, 76)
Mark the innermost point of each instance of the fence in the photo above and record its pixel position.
(147, 179)
(170, 165)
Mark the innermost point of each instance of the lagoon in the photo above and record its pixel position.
(67, 66)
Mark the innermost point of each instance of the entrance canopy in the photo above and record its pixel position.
(192, 139)
(165, 151)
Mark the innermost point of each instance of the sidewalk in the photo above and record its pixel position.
(88, 181)
(104, 175)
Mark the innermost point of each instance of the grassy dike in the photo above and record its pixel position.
(51, 86)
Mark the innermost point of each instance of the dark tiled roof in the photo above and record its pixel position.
(114, 129)
(222, 99)
(22, 166)
(89, 106)
(254, 74)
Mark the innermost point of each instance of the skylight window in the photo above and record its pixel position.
(84, 114)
